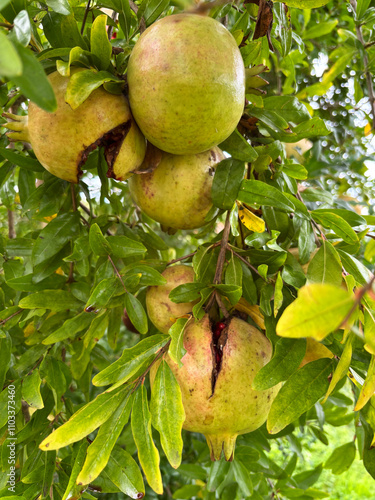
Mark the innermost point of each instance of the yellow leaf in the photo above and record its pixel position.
(60, 271)
(253, 311)
(368, 388)
(315, 350)
(342, 367)
(368, 129)
(50, 217)
(251, 221)
(29, 329)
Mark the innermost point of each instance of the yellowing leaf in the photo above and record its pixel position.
(315, 350)
(251, 221)
(342, 367)
(368, 129)
(318, 310)
(368, 388)
(253, 311)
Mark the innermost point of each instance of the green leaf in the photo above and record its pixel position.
(124, 472)
(260, 193)
(72, 489)
(31, 390)
(22, 28)
(233, 272)
(103, 293)
(61, 6)
(342, 367)
(154, 9)
(337, 224)
(10, 61)
(48, 471)
(147, 452)
(354, 267)
(238, 147)
(21, 161)
(167, 413)
(341, 458)
(299, 393)
(53, 371)
(187, 492)
(176, 349)
(100, 450)
(243, 478)
(232, 292)
(55, 236)
(100, 45)
(5, 355)
(317, 311)
(55, 300)
(292, 109)
(325, 267)
(33, 82)
(136, 312)
(130, 361)
(85, 420)
(70, 328)
(123, 247)
(286, 360)
(99, 245)
(188, 292)
(320, 29)
(82, 83)
(226, 184)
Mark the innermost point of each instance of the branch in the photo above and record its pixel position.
(85, 16)
(358, 297)
(117, 272)
(246, 262)
(10, 317)
(141, 378)
(11, 228)
(181, 258)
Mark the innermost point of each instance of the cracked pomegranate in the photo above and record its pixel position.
(186, 83)
(215, 380)
(63, 140)
(177, 193)
(161, 310)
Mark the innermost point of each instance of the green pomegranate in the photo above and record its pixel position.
(62, 140)
(215, 380)
(186, 83)
(161, 310)
(177, 193)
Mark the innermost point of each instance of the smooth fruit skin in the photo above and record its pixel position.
(178, 192)
(160, 309)
(59, 139)
(234, 408)
(186, 83)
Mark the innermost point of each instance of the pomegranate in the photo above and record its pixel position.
(177, 193)
(161, 310)
(62, 140)
(186, 83)
(216, 378)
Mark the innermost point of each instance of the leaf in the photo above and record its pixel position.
(317, 311)
(147, 452)
(22, 28)
(82, 83)
(5, 355)
(99, 245)
(342, 367)
(299, 393)
(325, 266)
(33, 82)
(99, 43)
(103, 293)
(368, 388)
(10, 61)
(21, 161)
(233, 272)
(130, 361)
(293, 110)
(123, 247)
(31, 390)
(71, 489)
(260, 193)
(286, 360)
(70, 328)
(243, 478)
(85, 420)
(154, 9)
(48, 471)
(55, 300)
(231, 292)
(60, 6)
(124, 472)
(229, 174)
(167, 413)
(100, 450)
(278, 296)
(337, 224)
(341, 458)
(176, 349)
(354, 267)
(250, 220)
(320, 29)
(136, 312)
(188, 292)
(238, 147)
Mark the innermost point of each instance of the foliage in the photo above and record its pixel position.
(297, 262)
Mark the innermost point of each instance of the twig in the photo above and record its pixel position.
(6, 25)
(158, 356)
(220, 303)
(11, 228)
(181, 258)
(116, 271)
(93, 216)
(110, 28)
(246, 262)
(74, 204)
(370, 88)
(85, 16)
(10, 317)
(358, 297)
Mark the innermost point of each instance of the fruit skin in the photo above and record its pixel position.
(186, 83)
(60, 138)
(160, 308)
(234, 408)
(177, 193)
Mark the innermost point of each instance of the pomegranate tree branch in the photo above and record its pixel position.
(181, 258)
(141, 378)
(11, 228)
(246, 262)
(85, 16)
(10, 317)
(357, 300)
(223, 249)
(117, 272)
(74, 204)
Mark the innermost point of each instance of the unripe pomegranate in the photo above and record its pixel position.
(177, 193)
(62, 140)
(161, 310)
(186, 83)
(216, 379)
